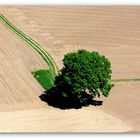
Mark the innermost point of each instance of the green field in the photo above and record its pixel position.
(44, 77)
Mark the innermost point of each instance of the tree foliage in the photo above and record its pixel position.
(84, 76)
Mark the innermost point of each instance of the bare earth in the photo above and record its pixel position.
(113, 31)
(55, 120)
(17, 61)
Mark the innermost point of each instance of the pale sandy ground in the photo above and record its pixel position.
(124, 103)
(113, 31)
(54, 120)
(17, 61)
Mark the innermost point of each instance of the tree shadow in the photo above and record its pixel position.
(64, 103)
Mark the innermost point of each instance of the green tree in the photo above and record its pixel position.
(84, 76)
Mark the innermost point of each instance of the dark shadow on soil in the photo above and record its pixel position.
(64, 103)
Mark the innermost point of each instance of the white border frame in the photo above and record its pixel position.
(82, 136)
(69, 2)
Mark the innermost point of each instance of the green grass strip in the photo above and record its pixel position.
(46, 56)
(44, 78)
(124, 80)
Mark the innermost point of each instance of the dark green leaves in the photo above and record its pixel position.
(86, 70)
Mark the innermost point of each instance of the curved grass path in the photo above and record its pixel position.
(46, 56)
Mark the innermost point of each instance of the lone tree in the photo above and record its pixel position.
(84, 76)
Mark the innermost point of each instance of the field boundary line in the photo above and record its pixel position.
(46, 56)
(125, 80)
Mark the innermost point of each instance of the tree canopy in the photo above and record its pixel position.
(84, 76)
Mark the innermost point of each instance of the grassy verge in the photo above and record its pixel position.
(125, 80)
(44, 78)
(46, 56)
